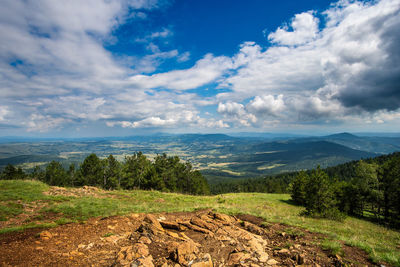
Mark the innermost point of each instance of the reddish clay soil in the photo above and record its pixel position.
(198, 239)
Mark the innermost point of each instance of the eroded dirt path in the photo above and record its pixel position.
(197, 239)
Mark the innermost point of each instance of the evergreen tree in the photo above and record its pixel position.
(37, 173)
(112, 174)
(91, 171)
(55, 174)
(320, 199)
(298, 188)
(71, 175)
(389, 175)
(137, 172)
(9, 172)
(364, 186)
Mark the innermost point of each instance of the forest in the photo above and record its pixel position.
(365, 188)
(371, 189)
(165, 173)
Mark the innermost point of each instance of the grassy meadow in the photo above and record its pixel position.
(380, 243)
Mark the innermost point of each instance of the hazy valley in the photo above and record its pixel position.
(217, 156)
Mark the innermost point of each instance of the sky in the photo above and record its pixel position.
(125, 67)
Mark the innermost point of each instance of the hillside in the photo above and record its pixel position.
(286, 156)
(92, 226)
(217, 156)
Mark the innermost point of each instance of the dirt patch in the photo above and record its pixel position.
(201, 238)
(85, 191)
(31, 213)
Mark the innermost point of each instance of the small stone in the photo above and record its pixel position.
(174, 235)
(263, 257)
(172, 225)
(272, 262)
(45, 235)
(203, 224)
(284, 251)
(112, 238)
(223, 217)
(145, 261)
(185, 252)
(140, 250)
(297, 246)
(252, 228)
(236, 258)
(76, 253)
(152, 224)
(205, 261)
(144, 240)
(301, 259)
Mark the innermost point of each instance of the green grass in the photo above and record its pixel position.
(27, 226)
(22, 190)
(10, 209)
(379, 242)
(333, 247)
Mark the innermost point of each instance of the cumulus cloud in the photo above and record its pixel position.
(44, 123)
(236, 112)
(53, 63)
(304, 29)
(347, 69)
(267, 105)
(206, 70)
(338, 65)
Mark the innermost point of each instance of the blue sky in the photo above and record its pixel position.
(122, 67)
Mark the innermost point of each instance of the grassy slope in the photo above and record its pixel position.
(379, 242)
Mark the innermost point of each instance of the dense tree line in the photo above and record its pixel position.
(371, 189)
(165, 173)
(268, 184)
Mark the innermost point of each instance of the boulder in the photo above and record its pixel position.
(237, 257)
(204, 261)
(186, 251)
(252, 228)
(143, 262)
(272, 262)
(172, 225)
(223, 217)
(203, 224)
(151, 219)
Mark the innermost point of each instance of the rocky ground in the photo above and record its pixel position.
(198, 239)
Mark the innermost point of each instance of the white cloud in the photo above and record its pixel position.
(164, 33)
(206, 70)
(55, 70)
(305, 29)
(184, 57)
(148, 122)
(267, 105)
(41, 123)
(345, 70)
(236, 112)
(3, 112)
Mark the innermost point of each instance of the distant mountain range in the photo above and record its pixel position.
(216, 155)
